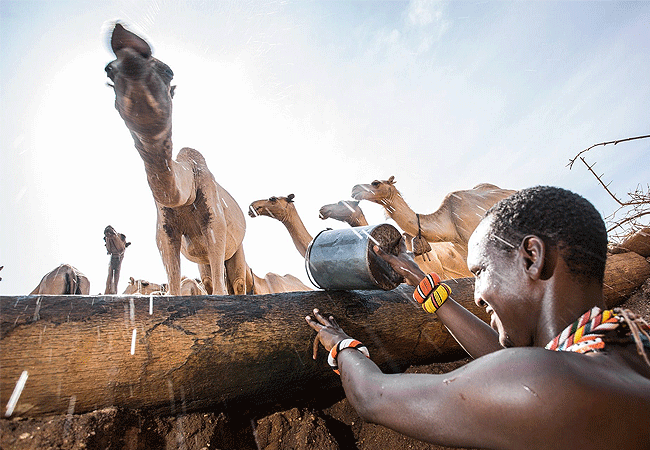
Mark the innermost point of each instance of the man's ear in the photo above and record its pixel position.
(534, 253)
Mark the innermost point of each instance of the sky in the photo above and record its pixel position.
(308, 98)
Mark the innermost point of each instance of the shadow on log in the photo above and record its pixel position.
(183, 354)
(248, 354)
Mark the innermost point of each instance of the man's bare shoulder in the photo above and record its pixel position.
(612, 368)
(537, 386)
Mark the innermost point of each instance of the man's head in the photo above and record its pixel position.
(560, 218)
(517, 244)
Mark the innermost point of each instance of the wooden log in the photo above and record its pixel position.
(183, 354)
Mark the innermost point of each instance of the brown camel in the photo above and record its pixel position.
(115, 246)
(443, 258)
(345, 211)
(454, 221)
(195, 215)
(272, 283)
(189, 286)
(64, 280)
(284, 210)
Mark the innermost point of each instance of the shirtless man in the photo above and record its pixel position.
(539, 259)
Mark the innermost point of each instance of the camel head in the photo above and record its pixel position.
(143, 287)
(275, 207)
(378, 191)
(345, 211)
(142, 84)
(115, 242)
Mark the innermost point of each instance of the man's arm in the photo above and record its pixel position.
(516, 398)
(474, 335)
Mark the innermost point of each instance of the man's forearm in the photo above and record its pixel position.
(474, 335)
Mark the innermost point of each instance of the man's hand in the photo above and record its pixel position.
(329, 332)
(403, 264)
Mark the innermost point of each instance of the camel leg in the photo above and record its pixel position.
(206, 277)
(216, 255)
(236, 272)
(83, 285)
(170, 251)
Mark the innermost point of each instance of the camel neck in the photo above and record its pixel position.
(435, 227)
(299, 234)
(170, 182)
(357, 221)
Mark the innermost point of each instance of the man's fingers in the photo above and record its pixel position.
(315, 350)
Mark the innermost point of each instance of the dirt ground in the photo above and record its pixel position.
(334, 427)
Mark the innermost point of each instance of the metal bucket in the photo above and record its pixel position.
(344, 259)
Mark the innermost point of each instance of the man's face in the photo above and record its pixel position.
(500, 287)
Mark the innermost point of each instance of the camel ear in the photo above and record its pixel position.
(127, 244)
(290, 197)
(172, 90)
(122, 38)
(131, 280)
(391, 180)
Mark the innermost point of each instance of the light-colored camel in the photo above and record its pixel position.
(195, 215)
(443, 258)
(454, 221)
(284, 210)
(64, 280)
(115, 246)
(272, 283)
(345, 211)
(189, 286)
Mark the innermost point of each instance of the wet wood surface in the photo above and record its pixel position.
(183, 354)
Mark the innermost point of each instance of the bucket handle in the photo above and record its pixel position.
(307, 257)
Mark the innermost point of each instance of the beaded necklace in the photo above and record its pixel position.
(587, 333)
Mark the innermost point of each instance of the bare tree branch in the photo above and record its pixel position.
(571, 161)
(632, 210)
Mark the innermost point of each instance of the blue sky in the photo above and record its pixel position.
(308, 98)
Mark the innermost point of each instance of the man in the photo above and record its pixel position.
(538, 258)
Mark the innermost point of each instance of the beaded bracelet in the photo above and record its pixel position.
(345, 343)
(431, 293)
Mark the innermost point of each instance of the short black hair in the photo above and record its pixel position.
(559, 217)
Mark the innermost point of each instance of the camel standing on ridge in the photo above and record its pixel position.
(189, 286)
(115, 246)
(272, 283)
(284, 210)
(64, 280)
(442, 259)
(195, 215)
(454, 221)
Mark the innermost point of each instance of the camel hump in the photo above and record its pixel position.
(485, 187)
(123, 38)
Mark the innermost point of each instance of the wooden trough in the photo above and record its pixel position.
(183, 354)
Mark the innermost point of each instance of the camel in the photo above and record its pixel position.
(443, 258)
(64, 280)
(284, 210)
(345, 211)
(189, 286)
(454, 221)
(195, 215)
(272, 283)
(115, 246)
